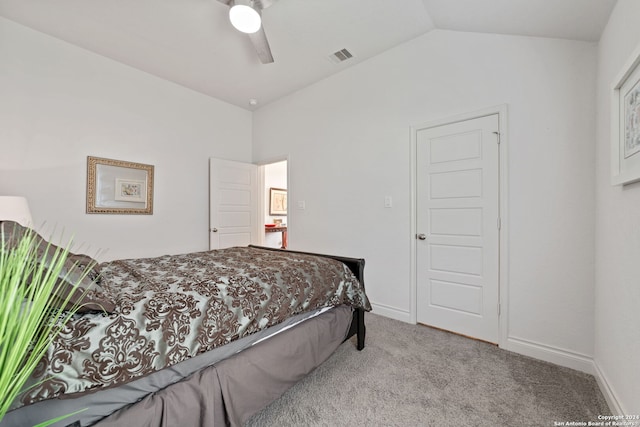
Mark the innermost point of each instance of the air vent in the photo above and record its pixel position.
(340, 56)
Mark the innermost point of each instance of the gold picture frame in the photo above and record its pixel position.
(119, 187)
(277, 201)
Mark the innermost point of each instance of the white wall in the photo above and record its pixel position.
(617, 332)
(59, 104)
(348, 138)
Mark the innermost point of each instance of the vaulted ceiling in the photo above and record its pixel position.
(192, 43)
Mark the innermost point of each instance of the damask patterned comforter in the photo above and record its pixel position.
(171, 308)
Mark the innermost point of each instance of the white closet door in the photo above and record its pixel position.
(457, 227)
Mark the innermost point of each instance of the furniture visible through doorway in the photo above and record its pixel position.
(282, 230)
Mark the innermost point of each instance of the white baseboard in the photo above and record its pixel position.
(607, 391)
(391, 312)
(558, 356)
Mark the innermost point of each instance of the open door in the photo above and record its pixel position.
(233, 204)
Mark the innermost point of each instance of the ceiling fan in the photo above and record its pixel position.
(246, 16)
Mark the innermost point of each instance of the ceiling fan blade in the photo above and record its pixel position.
(263, 4)
(259, 38)
(260, 42)
(257, 4)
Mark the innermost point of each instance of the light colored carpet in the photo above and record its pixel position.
(412, 375)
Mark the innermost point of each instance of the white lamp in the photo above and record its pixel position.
(244, 17)
(15, 209)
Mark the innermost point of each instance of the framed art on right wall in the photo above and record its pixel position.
(625, 123)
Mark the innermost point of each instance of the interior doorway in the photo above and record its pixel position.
(274, 210)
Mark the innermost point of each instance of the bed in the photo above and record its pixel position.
(218, 339)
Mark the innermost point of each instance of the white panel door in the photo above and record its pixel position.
(457, 241)
(233, 204)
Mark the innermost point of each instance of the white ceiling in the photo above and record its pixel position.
(192, 43)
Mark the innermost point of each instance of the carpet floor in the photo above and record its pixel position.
(412, 375)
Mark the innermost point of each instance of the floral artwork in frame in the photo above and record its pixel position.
(632, 121)
(277, 201)
(625, 123)
(130, 190)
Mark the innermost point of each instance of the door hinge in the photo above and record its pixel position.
(498, 135)
(498, 309)
(499, 223)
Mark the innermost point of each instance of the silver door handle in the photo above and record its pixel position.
(422, 236)
(214, 230)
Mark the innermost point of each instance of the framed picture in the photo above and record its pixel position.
(119, 187)
(277, 201)
(130, 190)
(625, 123)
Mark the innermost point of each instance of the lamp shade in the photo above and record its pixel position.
(15, 209)
(244, 17)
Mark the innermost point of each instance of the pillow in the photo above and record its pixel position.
(84, 263)
(88, 295)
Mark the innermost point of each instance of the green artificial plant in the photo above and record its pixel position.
(30, 313)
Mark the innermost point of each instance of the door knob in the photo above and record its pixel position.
(215, 230)
(422, 236)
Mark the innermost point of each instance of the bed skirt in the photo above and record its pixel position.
(233, 390)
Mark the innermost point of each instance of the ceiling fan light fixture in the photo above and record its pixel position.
(244, 17)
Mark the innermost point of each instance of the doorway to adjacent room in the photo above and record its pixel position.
(274, 211)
